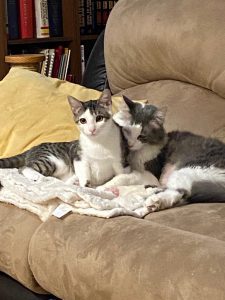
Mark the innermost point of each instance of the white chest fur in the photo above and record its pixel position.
(138, 158)
(102, 153)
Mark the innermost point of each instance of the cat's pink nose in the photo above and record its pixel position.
(92, 131)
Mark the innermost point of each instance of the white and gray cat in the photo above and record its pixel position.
(98, 155)
(190, 167)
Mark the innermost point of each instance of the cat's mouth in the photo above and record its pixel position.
(92, 133)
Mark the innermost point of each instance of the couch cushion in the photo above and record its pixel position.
(125, 258)
(16, 229)
(206, 219)
(154, 40)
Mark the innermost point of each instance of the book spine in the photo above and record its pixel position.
(82, 17)
(44, 70)
(66, 65)
(105, 12)
(55, 18)
(26, 19)
(13, 19)
(99, 15)
(94, 16)
(58, 53)
(82, 57)
(61, 66)
(111, 4)
(51, 61)
(41, 16)
(89, 16)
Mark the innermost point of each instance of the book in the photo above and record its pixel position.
(58, 53)
(99, 13)
(82, 57)
(13, 19)
(94, 16)
(66, 65)
(89, 17)
(51, 54)
(44, 67)
(55, 18)
(105, 12)
(61, 66)
(26, 19)
(82, 16)
(41, 18)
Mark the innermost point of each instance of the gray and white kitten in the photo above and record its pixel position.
(190, 167)
(95, 158)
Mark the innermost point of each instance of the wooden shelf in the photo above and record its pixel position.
(88, 37)
(39, 41)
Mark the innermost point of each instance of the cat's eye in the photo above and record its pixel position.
(142, 138)
(83, 121)
(99, 118)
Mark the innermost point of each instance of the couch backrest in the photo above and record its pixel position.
(148, 40)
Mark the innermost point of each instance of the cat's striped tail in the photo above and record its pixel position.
(16, 161)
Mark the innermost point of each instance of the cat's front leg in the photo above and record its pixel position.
(30, 173)
(119, 169)
(164, 198)
(83, 172)
(73, 180)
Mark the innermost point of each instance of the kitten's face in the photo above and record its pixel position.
(142, 124)
(92, 116)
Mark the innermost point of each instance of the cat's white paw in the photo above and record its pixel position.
(101, 188)
(85, 183)
(31, 174)
(153, 203)
(114, 190)
(74, 180)
(163, 199)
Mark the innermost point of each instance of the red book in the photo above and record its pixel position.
(26, 19)
(58, 54)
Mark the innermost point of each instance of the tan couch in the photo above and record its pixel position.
(171, 52)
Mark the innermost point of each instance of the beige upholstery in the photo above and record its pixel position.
(176, 39)
(172, 53)
(127, 258)
(16, 229)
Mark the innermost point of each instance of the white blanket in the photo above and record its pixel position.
(45, 195)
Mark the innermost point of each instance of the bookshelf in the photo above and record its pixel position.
(71, 39)
(71, 36)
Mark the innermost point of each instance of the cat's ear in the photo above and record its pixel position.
(76, 105)
(128, 104)
(106, 99)
(123, 116)
(159, 116)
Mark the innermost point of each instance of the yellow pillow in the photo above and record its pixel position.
(34, 109)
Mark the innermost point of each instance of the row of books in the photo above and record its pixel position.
(93, 15)
(34, 18)
(56, 63)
